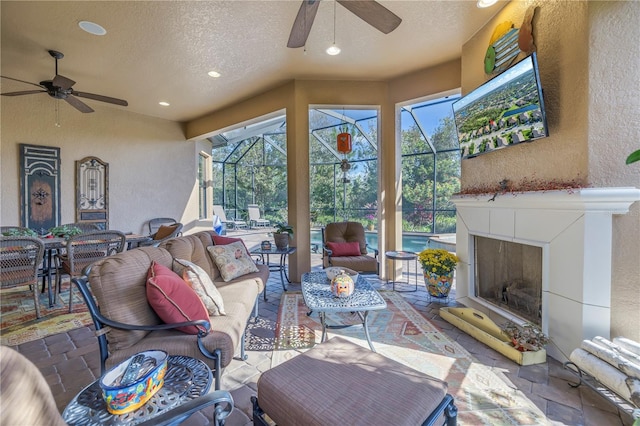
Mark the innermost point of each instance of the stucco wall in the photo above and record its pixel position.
(151, 166)
(614, 132)
(588, 60)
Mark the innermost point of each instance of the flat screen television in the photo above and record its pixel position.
(506, 110)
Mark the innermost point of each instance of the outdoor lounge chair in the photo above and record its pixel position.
(157, 222)
(231, 224)
(254, 216)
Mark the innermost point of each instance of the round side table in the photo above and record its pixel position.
(408, 257)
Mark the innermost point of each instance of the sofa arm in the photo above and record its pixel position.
(101, 322)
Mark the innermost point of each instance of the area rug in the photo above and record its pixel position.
(18, 323)
(402, 333)
(260, 335)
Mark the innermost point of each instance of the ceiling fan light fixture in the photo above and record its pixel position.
(92, 28)
(333, 50)
(486, 3)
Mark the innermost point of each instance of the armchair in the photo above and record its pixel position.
(155, 223)
(164, 233)
(336, 250)
(20, 259)
(83, 250)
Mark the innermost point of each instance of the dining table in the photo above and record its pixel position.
(51, 244)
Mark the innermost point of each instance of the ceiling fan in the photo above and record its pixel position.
(60, 87)
(369, 11)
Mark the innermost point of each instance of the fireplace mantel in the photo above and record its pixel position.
(574, 229)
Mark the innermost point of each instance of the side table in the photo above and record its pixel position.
(186, 379)
(275, 267)
(403, 256)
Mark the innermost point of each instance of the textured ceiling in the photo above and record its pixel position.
(162, 50)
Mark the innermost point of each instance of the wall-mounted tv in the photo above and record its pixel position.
(504, 111)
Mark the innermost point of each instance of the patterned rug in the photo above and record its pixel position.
(18, 323)
(402, 333)
(260, 335)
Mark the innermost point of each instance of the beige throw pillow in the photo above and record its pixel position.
(201, 283)
(232, 260)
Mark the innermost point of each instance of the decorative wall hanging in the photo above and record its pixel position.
(92, 191)
(507, 42)
(343, 144)
(39, 187)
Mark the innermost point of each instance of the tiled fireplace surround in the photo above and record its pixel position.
(574, 230)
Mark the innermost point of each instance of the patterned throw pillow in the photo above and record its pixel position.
(232, 260)
(172, 299)
(201, 283)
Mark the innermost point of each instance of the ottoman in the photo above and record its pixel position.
(341, 383)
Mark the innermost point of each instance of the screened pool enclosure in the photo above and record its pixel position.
(250, 167)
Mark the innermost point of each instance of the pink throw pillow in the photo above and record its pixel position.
(344, 249)
(172, 298)
(220, 240)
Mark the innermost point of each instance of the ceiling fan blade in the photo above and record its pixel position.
(24, 92)
(302, 25)
(101, 98)
(373, 13)
(78, 104)
(62, 82)
(21, 81)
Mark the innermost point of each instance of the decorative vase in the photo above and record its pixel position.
(342, 285)
(438, 285)
(281, 240)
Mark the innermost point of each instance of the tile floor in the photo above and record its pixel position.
(70, 361)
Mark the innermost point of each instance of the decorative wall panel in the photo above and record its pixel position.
(92, 191)
(39, 187)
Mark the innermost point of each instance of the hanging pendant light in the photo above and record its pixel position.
(333, 49)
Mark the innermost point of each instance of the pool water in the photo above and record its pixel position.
(410, 241)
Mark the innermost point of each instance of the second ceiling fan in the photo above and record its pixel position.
(370, 11)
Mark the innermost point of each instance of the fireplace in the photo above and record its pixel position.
(570, 232)
(508, 275)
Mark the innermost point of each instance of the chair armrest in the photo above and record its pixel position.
(375, 250)
(222, 400)
(327, 250)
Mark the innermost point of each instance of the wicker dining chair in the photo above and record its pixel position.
(20, 259)
(83, 250)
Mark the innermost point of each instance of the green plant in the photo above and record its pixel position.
(529, 337)
(15, 232)
(633, 157)
(65, 231)
(438, 261)
(283, 228)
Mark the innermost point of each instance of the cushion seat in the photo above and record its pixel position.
(341, 383)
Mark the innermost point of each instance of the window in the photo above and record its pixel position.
(203, 184)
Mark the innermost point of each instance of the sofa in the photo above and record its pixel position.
(127, 324)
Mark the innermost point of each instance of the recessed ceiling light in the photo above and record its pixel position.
(214, 74)
(92, 28)
(486, 3)
(163, 103)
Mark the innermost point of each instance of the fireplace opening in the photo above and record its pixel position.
(509, 275)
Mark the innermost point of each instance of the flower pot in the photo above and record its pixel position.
(281, 240)
(438, 285)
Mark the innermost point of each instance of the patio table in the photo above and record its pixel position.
(316, 291)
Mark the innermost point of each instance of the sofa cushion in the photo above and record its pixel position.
(173, 300)
(193, 248)
(232, 260)
(344, 249)
(164, 231)
(201, 283)
(119, 284)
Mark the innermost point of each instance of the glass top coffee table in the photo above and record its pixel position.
(316, 291)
